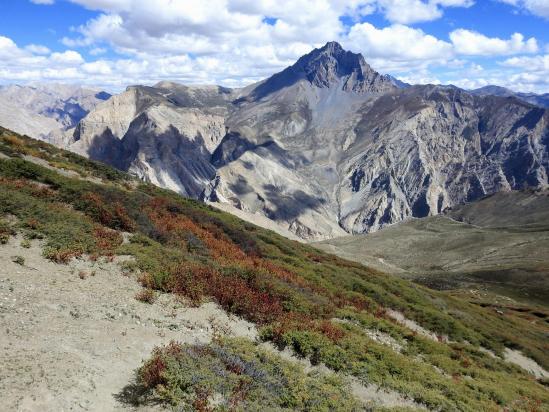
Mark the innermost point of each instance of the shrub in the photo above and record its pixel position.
(248, 377)
(5, 232)
(146, 296)
(63, 255)
(113, 215)
(147, 280)
(106, 239)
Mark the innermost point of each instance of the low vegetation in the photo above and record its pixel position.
(235, 374)
(146, 296)
(317, 304)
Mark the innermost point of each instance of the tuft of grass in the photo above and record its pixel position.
(146, 296)
(20, 260)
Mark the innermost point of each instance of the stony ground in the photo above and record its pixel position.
(71, 336)
(68, 343)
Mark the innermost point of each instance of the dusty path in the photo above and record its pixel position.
(71, 344)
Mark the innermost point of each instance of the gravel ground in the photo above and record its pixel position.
(71, 344)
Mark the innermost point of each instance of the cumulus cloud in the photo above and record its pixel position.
(537, 7)
(236, 42)
(533, 63)
(397, 42)
(69, 57)
(414, 11)
(37, 49)
(472, 43)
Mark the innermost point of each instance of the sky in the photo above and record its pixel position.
(115, 43)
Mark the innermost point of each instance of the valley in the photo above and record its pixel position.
(498, 244)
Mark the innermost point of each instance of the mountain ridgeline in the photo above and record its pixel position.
(324, 148)
(45, 111)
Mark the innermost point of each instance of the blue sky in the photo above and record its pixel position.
(113, 43)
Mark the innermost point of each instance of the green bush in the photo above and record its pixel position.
(240, 376)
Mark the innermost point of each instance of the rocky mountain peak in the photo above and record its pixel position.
(331, 64)
(328, 67)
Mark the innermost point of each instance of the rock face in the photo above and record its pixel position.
(45, 111)
(164, 134)
(326, 147)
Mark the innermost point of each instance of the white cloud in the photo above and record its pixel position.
(37, 49)
(101, 67)
(69, 57)
(397, 42)
(236, 42)
(532, 63)
(8, 48)
(96, 51)
(472, 43)
(413, 11)
(47, 2)
(537, 7)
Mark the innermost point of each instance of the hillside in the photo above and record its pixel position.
(499, 244)
(371, 339)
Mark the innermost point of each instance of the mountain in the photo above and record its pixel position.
(236, 316)
(324, 148)
(164, 134)
(541, 100)
(497, 244)
(45, 110)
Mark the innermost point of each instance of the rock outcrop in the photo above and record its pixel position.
(164, 134)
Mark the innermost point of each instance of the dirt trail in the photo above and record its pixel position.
(70, 344)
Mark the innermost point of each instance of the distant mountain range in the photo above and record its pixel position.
(45, 110)
(541, 100)
(325, 148)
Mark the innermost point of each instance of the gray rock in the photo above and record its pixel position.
(45, 111)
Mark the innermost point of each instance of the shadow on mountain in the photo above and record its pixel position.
(290, 206)
(234, 146)
(285, 78)
(186, 161)
(241, 187)
(103, 96)
(108, 149)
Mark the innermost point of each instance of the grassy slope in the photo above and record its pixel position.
(446, 254)
(292, 291)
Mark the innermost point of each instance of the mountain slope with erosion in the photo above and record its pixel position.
(46, 111)
(324, 148)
